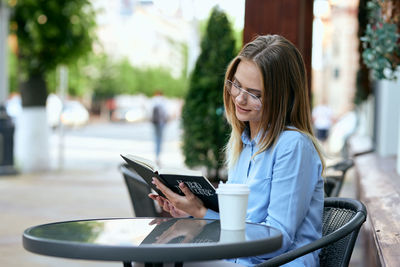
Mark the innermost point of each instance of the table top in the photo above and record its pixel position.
(149, 240)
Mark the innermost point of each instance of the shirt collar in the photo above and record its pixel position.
(246, 138)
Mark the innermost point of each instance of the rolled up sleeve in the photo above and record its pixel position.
(210, 214)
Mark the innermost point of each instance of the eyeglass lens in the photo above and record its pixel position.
(235, 91)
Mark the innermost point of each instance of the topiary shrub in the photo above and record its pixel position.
(205, 128)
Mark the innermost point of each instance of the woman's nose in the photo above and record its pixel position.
(241, 98)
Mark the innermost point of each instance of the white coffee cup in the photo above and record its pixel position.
(232, 236)
(232, 201)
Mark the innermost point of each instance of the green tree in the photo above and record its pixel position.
(120, 77)
(49, 33)
(205, 128)
(80, 76)
(107, 84)
(12, 71)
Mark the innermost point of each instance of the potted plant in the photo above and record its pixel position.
(381, 55)
(381, 40)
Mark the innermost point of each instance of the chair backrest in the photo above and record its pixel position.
(341, 132)
(343, 166)
(138, 189)
(332, 186)
(338, 213)
(342, 220)
(333, 183)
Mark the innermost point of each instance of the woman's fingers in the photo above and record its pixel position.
(172, 196)
(153, 196)
(173, 212)
(188, 204)
(166, 206)
(160, 200)
(165, 190)
(177, 213)
(186, 191)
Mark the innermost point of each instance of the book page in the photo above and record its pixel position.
(145, 162)
(177, 171)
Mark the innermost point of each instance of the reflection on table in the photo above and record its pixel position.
(149, 240)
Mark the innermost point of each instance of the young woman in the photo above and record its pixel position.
(271, 147)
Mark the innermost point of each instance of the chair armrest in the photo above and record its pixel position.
(358, 219)
(342, 165)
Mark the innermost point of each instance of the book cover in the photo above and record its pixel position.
(144, 170)
(195, 181)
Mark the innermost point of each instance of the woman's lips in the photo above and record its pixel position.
(240, 109)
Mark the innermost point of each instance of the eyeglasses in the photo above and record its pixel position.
(234, 90)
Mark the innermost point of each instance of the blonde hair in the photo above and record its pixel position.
(285, 95)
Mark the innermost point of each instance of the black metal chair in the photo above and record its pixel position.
(334, 182)
(138, 189)
(342, 166)
(342, 221)
(332, 186)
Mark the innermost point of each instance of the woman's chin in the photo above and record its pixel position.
(242, 117)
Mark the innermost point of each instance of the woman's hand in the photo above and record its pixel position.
(189, 203)
(168, 207)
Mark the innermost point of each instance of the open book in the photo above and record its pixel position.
(194, 180)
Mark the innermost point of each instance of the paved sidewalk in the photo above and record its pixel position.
(28, 200)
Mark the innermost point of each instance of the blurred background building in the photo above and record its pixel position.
(335, 54)
(148, 33)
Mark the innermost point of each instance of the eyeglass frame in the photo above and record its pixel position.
(229, 85)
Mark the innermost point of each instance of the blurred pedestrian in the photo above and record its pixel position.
(111, 105)
(159, 118)
(322, 116)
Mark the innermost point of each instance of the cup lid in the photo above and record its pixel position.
(232, 189)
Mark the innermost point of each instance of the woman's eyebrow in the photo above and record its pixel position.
(248, 89)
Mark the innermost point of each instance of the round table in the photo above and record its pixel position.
(149, 240)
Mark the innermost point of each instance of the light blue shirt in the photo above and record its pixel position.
(286, 192)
